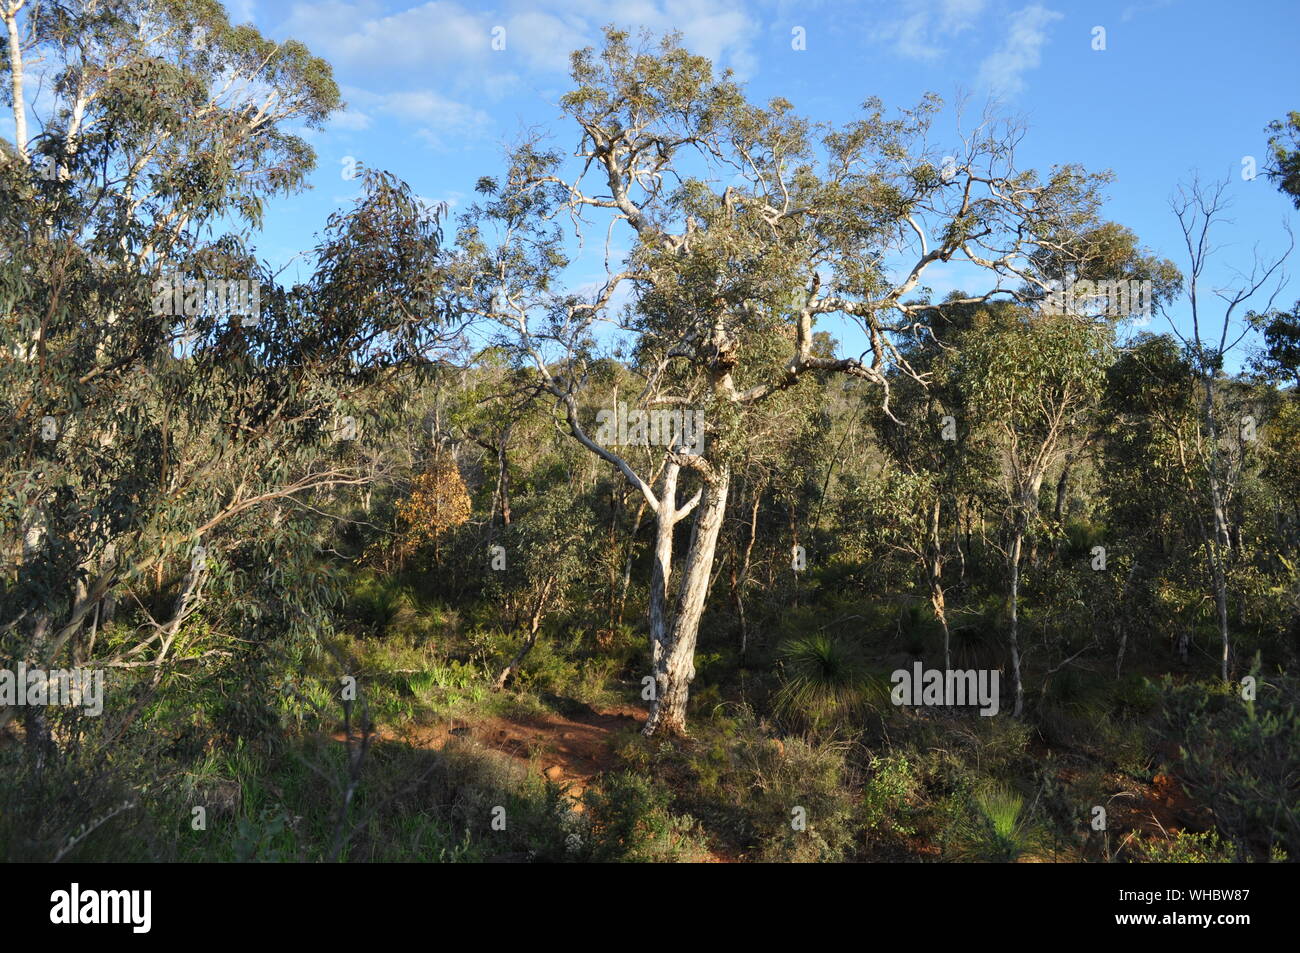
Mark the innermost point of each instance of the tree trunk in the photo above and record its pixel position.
(16, 75)
(1062, 490)
(740, 577)
(1016, 542)
(962, 546)
(1123, 623)
(504, 675)
(934, 572)
(503, 478)
(626, 581)
(674, 663)
(1062, 494)
(1221, 541)
(662, 570)
(794, 547)
(40, 744)
(534, 626)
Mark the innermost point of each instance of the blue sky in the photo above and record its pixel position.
(1180, 88)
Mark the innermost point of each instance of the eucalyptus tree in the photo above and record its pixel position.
(1103, 273)
(1199, 209)
(1028, 379)
(151, 433)
(928, 471)
(1149, 476)
(1284, 155)
(550, 549)
(1280, 359)
(746, 226)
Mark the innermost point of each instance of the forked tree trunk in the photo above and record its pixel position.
(674, 661)
(662, 569)
(1027, 508)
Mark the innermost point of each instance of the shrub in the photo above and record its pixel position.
(1183, 847)
(1241, 758)
(631, 822)
(888, 797)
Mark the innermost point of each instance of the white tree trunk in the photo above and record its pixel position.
(10, 16)
(662, 570)
(674, 664)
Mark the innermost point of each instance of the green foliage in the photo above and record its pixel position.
(1186, 847)
(1239, 757)
(993, 825)
(631, 822)
(376, 601)
(1002, 424)
(824, 681)
(887, 798)
(1284, 147)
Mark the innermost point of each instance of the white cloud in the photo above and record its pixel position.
(1003, 71)
(443, 36)
(925, 32)
(544, 40)
(433, 109)
(437, 116)
(722, 30)
(429, 36)
(449, 48)
(350, 120)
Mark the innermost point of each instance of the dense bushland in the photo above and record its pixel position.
(320, 555)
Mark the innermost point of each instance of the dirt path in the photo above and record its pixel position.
(568, 750)
(1160, 807)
